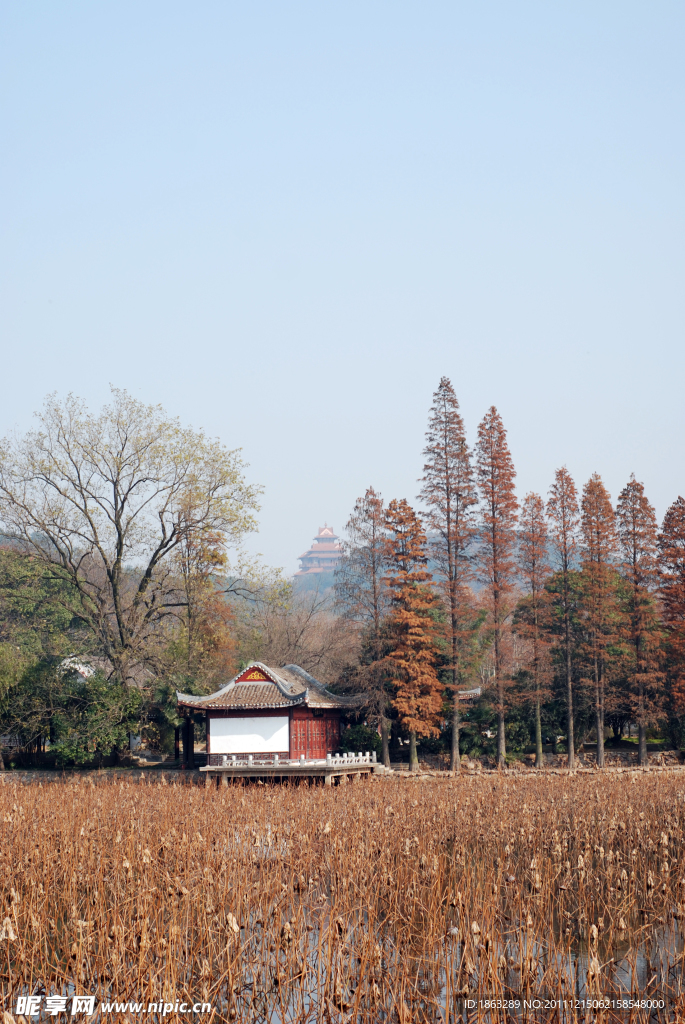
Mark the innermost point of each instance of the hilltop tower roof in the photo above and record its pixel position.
(323, 555)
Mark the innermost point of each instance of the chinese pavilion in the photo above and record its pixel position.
(323, 555)
(270, 711)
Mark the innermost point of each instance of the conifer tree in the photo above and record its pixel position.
(535, 570)
(637, 531)
(450, 496)
(414, 654)
(497, 543)
(599, 549)
(672, 591)
(562, 511)
(362, 595)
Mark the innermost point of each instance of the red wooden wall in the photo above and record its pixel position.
(313, 735)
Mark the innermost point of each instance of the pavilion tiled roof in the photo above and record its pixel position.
(285, 687)
(247, 695)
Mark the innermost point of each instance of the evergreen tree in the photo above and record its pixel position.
(415, 653)
(450, 496)
(562, 511)
(497, 544)
(535, 570)
(103, 501)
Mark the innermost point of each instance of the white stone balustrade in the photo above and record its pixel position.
(265, 760)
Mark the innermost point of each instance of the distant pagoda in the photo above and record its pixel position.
(323, 555)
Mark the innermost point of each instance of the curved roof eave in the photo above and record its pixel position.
(284, 688)
(321, 687)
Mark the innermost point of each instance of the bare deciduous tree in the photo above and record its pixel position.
(283, 628)
(105, 499)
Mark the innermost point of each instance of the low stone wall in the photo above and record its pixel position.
(614, 758)
(586, 759)
(103, 777)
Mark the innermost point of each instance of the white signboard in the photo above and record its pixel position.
(249, 735)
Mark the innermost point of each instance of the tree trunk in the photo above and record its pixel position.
(539, 757)
(501, 743)
(455, 760)
(191, 742)
(569, 701)
(188, 738)
(641, 727)
(413, 756)
(600, 736)
(2, 762)
(601, 715)
(641, 743)
(177, 743)
(599, 725)
(385, 741)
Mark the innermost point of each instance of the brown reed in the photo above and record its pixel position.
(384, 901)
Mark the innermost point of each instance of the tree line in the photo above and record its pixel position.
(115, 584)
(122, 579)
(565, 610)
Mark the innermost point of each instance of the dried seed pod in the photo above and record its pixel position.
(593, 974)
(232, 924)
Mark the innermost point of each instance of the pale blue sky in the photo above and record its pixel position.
(285, 221)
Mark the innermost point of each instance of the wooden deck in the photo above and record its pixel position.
(332, 770)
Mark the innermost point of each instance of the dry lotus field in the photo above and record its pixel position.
(382, 901)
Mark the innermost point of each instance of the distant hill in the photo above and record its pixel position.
(323, 582)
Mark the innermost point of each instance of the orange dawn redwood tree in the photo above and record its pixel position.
(414, 654)
(600, 543)
(535, 570)
(450, 496)
(671, 563)
(497, 543)
(562, 512)
(637, 531)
